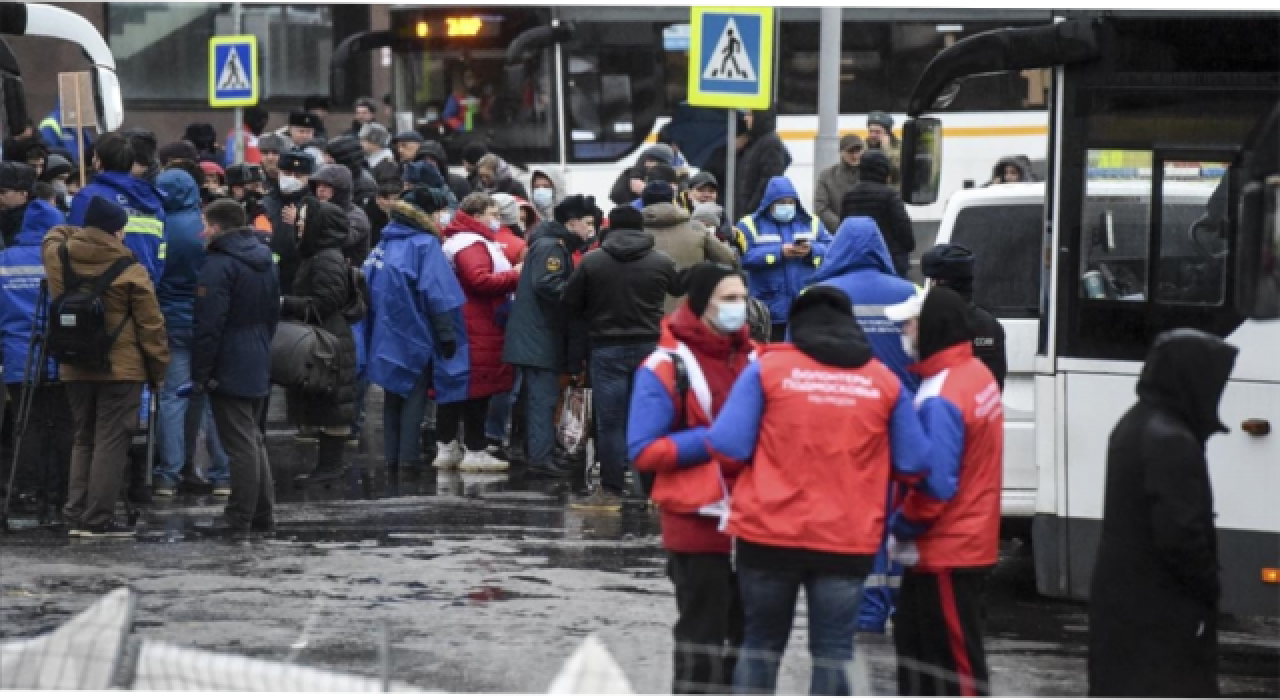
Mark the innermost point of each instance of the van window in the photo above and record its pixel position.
(1005, 241)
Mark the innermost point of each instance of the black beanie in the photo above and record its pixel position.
(474, 151)
(657, 192)
(945, 321)
(947, 261)
(874, 166)
(574, 207)
(105, 215)
(178, 150)
(626, 217)
(701, 281)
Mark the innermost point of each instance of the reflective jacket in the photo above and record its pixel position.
(21, 270)
(144, 234)
(820, 442)
(409, 280)
(774, 278)
(954, 514)
(859, 265)
(55, 135)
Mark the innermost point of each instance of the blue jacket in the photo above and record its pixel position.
(20, 273)
(858, 264)
(184, 249)
(55, 135)
(409, 280)
(237, 307)
(144, 234)
(774, 279)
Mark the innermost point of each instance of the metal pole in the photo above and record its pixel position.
(730, 161)
(239, 116)
(560, 88)
(826, 147)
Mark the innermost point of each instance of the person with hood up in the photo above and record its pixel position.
(618, 291)
(496, 175)
(1011, 170)
(47, 441)
(951, 265)
(411, 328)
(782, 245)
(255, 122)
(540, 339)
(764, 158)
(176, 292)
(118, 180)
(836, 181)
(488, 280)
(348, 151)
(947, 529)
(1153, 601)
(631, 181)
(874, 198)
(676, 236)
(378, 158)
(548, 189)
(236, 312)
(510, 235)
(105, 402)
(322, 296)
(433, 152)
(817, 427)
(332, 183)
(705, 343)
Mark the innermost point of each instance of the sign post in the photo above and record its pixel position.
(75, 94)
(233, 78)
(731, 66)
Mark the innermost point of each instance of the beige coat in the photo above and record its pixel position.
(141, 352)
(677, 236)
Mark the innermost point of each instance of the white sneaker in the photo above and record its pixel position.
(448, 456)
(481, 462)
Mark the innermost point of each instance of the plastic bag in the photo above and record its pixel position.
(575, 416)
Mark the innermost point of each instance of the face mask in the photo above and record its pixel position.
(542, 197)
(909, 347)
(494, 225)
(784, 212)
(290, 184)
(731, 316)
(445, 217)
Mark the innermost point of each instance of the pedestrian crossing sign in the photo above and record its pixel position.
(731, 57)
(233, 71)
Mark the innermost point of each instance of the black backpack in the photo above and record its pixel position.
(78, 334)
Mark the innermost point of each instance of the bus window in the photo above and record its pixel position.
(1005, 241)
(615, 87)
(1193, 233)
(1115, 224)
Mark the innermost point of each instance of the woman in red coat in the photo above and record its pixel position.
(489, 280)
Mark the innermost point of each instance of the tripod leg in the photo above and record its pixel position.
(30, 382)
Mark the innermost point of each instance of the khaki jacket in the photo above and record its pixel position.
(676, 235)
(141, 352)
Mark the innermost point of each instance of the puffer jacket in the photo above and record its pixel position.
(764, 158)
(321, 292)
(687, 245)
(184, 249)
(872, 197)
(470, 247)
(141, 351)
(774, 278)
(20, 273)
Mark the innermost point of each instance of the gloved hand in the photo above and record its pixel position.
(905, 553)
(448, 348)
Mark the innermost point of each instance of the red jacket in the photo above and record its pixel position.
(512, 245)
(818, 443)
(687, 479)
(954, 514)
(469, 244)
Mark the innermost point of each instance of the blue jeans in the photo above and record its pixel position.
(769, 599)
(200, 414)
(500, 406)
(172, 419)
(402, 422)
(613, 371)
(542, 390)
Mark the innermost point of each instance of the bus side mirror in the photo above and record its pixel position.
(1257, 272)
(921, 160)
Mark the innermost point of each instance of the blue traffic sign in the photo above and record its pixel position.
(731, 57)
(233, 71)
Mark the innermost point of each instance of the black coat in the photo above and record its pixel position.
(872, 197)
(619, 290)
(1154, 596)
(765, 157)
(321, 294)
(284, 237)
(237, 308)
(621, 194)
(539, 333)
(988, 343)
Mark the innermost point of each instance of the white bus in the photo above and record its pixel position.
(1160, 213)
(586, 89)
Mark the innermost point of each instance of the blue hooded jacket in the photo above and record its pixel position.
(144, 234)
(184, 249)
(56, 135)
(410, 279)
(858, 264)
(773, 278)
(21, 270)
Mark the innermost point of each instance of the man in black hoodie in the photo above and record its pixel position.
(873, 197)
(765, 157)
(618, 291)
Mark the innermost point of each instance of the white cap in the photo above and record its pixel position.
(906, 310)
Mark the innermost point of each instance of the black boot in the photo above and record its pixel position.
(329, 466)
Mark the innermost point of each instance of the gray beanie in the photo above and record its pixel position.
(375, 134)
(508, 208)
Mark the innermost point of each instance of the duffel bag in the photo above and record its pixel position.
(304, 357)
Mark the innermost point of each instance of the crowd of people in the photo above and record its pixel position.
(781, 363)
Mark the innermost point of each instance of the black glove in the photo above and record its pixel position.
(448, 348)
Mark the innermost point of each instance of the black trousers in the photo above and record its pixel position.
(252, 500)
(46, 445)
(709, 630)
(472, 413)
(937, 632)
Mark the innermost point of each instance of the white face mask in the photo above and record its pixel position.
(731, 316)
(542, 197)
(909, 347)
(444, 217)
(290, 184)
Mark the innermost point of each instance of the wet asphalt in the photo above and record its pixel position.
(484, 583)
